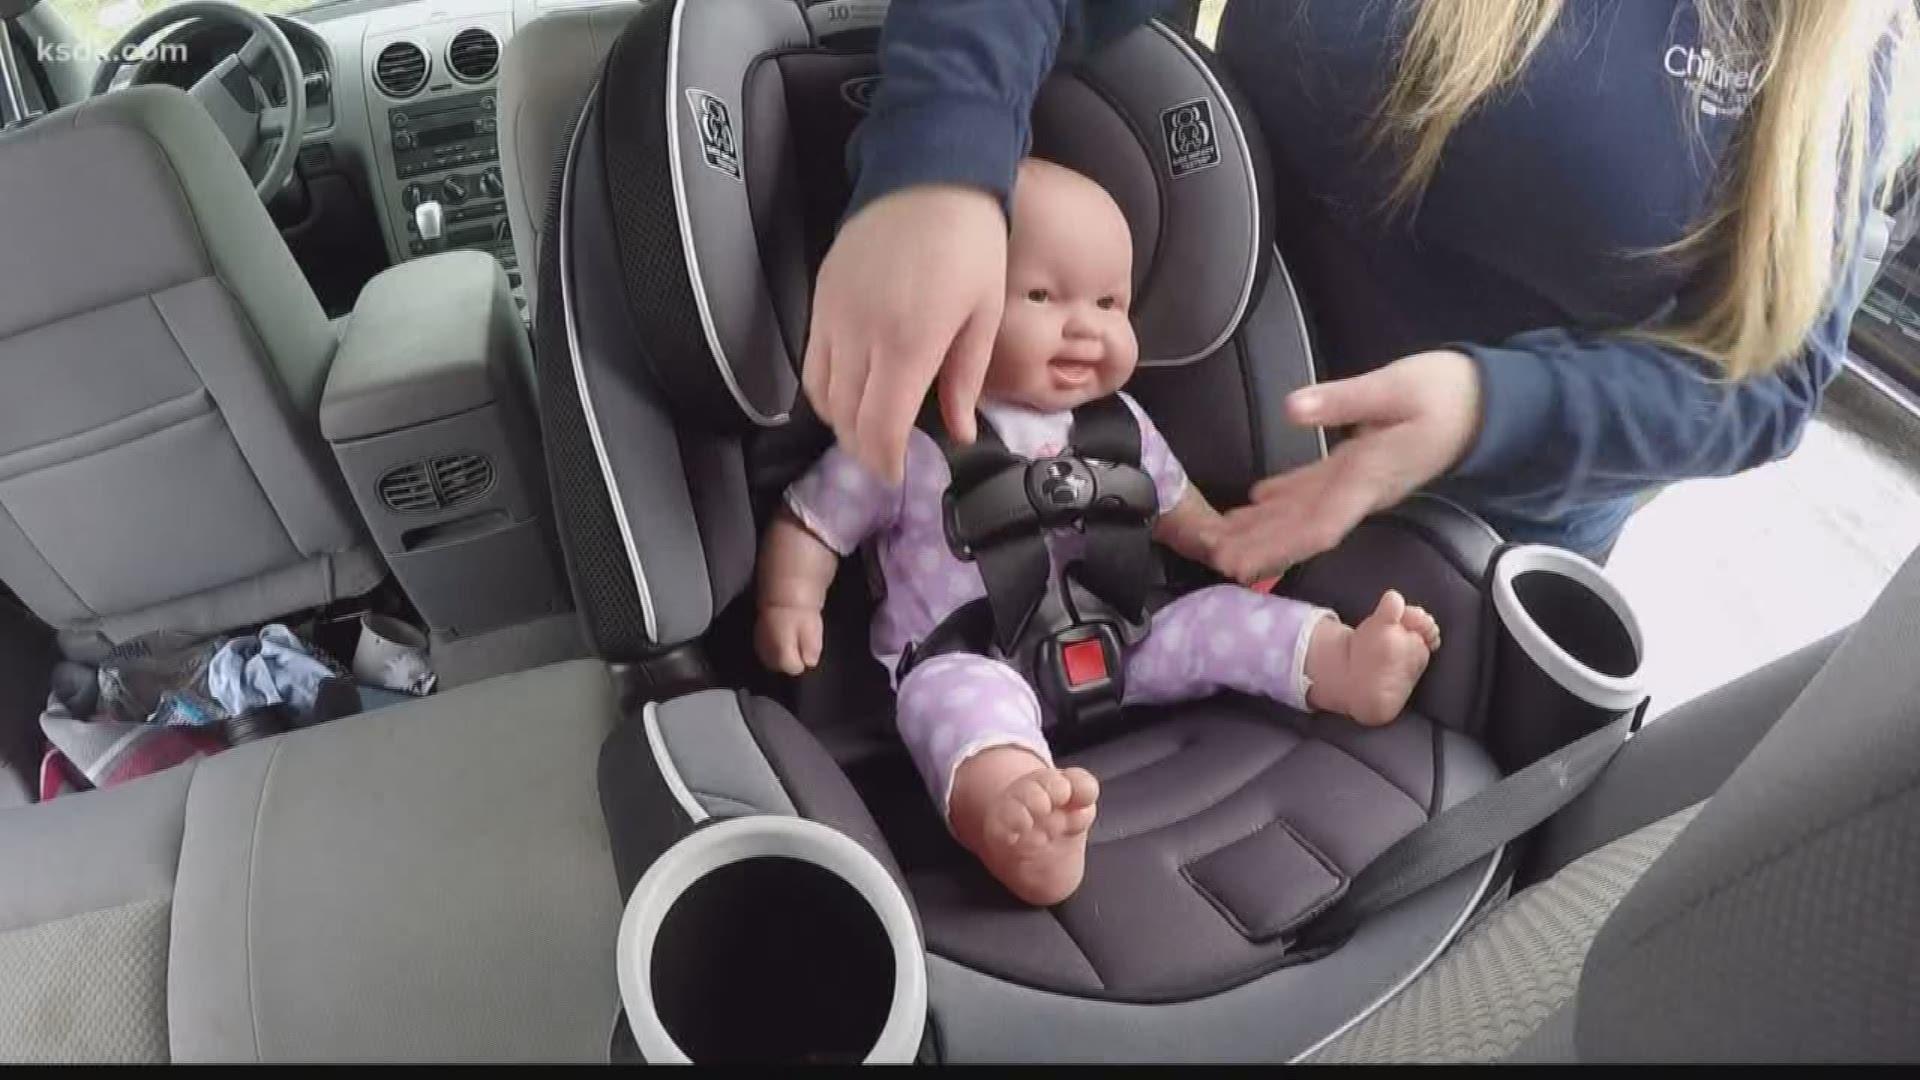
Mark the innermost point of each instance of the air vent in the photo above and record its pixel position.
(441, 483)
(473, 54)
(462, 478)
(409, 490)
(401, 69)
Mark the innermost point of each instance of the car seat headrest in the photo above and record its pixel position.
(722, 127)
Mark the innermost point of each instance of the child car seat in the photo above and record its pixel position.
(698, 193)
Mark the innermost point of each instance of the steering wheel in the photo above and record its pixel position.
(264, 138)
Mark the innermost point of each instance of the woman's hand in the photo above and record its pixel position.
(1414, 419)
(912, 289)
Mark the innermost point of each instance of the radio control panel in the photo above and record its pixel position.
(455, 130)
(447, 150)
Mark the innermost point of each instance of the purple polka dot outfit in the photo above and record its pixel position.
(955, 705)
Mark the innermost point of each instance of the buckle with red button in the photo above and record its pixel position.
(1083, 669)
(1084, 663)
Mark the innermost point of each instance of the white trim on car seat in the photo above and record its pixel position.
(1306, 339)
(565, 227)
(758, 836)
(1596, 688)
(700, 301)
(1446, 941)
(663, 760)
(1253, 185)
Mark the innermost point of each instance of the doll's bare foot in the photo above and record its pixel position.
(1025, 822)
(1369, 672)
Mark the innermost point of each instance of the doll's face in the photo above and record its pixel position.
(1064, 338)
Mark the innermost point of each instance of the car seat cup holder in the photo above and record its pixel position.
(1570, 654)
(770, 938)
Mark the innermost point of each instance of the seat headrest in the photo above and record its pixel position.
(714, 149)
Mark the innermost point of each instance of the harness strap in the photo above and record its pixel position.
(1119, 565)
(997, 512)
(1106, 429)
(989, 481)
(1017, 574)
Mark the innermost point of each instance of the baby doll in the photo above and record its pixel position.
(973, 724)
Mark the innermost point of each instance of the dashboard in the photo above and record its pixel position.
(406, 96)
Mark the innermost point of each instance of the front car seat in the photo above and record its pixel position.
(161, 365)
(703, 182)
(545, 72)
(1764, 912)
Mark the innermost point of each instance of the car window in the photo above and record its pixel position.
(99, 23)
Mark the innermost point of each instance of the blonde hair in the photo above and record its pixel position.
(1800, 155)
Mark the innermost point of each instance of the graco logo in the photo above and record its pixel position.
(715, 124)
(859, 92)
(1064, 487)
(1191, 145)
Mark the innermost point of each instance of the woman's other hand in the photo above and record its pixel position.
(911, 290)
(1413, 420)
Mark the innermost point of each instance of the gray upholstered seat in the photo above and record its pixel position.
(429, 882)
(161, 364)
(544, 75)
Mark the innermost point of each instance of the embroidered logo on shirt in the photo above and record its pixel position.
(1722, 85)
(1191, 145)
(715, 124)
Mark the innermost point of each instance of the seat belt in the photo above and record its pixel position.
(1470, 830)
(13, 93)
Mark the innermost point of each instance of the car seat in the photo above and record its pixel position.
(699, 190)
(162, 361)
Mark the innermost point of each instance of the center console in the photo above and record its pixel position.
(434, 111)
(429, 410)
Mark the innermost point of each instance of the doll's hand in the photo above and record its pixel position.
(788, 638)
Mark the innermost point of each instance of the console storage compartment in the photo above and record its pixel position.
(429, 409)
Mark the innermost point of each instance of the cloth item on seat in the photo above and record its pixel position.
(58, 776)
(1224, 637)
(142, 711)
(107, 750)
(844, 504)
(161, 700)
(273, 667)
(1512, 969)
(158, 677)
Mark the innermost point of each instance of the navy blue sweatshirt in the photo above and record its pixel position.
(1520, 253)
